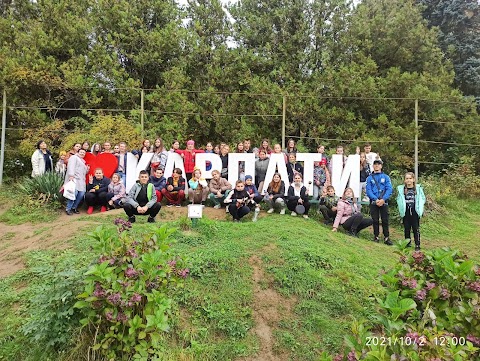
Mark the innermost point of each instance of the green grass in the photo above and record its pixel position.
(327, 278)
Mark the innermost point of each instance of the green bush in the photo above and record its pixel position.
(126, 297)
(430, 312)
(44, 188)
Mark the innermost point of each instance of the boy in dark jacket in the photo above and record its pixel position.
(97, 189)
(328, 205)
(159, 182)
(238, 199)
(142, 200)
(379, 189)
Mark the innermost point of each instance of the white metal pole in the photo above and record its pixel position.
(4, 126)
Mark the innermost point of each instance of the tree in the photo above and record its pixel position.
(458, 23)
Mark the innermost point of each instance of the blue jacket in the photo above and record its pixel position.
(158, 183)
(419, 200)
(379, 186)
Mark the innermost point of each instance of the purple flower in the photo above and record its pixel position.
(96, 304)
(109, 316)
(421, 294)
(102, 259)
(474, 340)
(131, 253)
(430, 285)
(418, 257)
(131, 273)
(474, 286)
(112, 261)
(409, 282)
(444, 294)
(413, 336)
(351, 356)
(403, 259)
(338, 357)
(183, 273)
(477, 271)
(99, 291)
(136, 298)
(172, 263)
(114, 299)
(121, 317)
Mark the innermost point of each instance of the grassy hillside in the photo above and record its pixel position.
(281, 288)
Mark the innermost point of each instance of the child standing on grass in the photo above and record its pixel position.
(411, 202)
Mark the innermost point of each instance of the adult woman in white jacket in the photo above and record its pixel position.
(76, 171)
(41, 160)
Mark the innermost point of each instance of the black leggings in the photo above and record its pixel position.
(376, 212)
(411, 221)
(356, 223)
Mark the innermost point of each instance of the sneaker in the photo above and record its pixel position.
(409, 244)
(282, 211)
(90, 210)
(69, 212)
(169, 205)
(353, 234)
(75, 210)
(328, 221)
(293, 214)
(271, 210)
(417, 248)
(226, 210)
(151, 220)
(236, 220)
(217, 206)
(257, 209)
(388, 242)
(132, 219)
(103, 209)
(376, 239)
(305, 216)
(178, 205)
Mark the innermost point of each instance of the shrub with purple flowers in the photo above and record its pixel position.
(431, 311)
(126, 297)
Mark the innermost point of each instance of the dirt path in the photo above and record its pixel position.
(268, 309)
(16, 240)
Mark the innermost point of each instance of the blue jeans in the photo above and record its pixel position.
(73, 204)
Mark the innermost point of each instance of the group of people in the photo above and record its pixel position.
(145, 196)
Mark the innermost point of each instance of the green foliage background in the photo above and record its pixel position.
(219, 72)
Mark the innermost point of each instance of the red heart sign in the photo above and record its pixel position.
(107, 161)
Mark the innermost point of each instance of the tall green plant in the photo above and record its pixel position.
(44, 187)
(126, 296)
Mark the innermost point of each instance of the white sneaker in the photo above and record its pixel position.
(226, 210)
(305, 216)
(257, 210)
(282, 211)
(365, 199)
(294, 214)
(271, 210)
(217, 206)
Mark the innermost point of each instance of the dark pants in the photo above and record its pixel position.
(327, 213)
(96, 199)
(116, 203)
(292, 204)
(238, 213)
(377, 213)
(412, 221)
(356, 223)
(152, 211)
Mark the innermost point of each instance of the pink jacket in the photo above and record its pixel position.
(344, 212)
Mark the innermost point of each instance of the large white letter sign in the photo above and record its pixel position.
(341, 175)
(234, 159)
(134, 166)
(174, 160)
(276, 161)
(308, 159)
(201, 163)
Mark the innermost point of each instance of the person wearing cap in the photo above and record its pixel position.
(321, 178)
(188, 156)
(379, 189)
(41, 159)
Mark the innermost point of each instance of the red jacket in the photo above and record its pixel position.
(189, 158)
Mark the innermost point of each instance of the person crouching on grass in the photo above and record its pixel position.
(97, 189)
(238, 199)
(142, 200)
